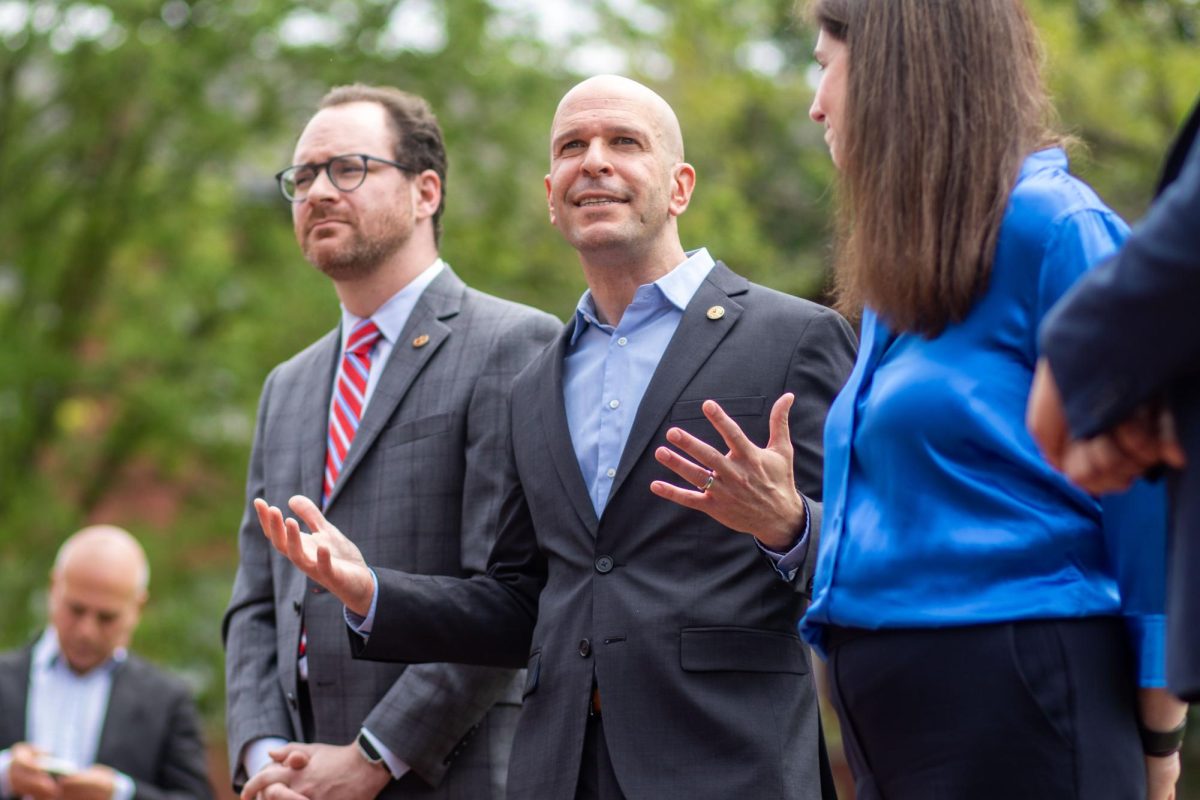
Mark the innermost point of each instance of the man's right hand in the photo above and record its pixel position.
(25, 775)
(325, 555)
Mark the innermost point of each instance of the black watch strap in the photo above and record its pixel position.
(1161, 744)
(368, 750)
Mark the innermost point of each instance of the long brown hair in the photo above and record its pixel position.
(944, 101)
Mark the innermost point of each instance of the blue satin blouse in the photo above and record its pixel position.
(939, 509)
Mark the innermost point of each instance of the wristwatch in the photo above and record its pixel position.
(368, 750)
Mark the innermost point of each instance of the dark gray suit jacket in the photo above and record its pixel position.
(685, 627)
(151, 731)
(420, 491)
(1128, 332)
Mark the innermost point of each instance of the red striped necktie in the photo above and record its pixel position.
(349, 398)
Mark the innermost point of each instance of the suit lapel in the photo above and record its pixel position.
(552, 410)
(315, 406)
(123, 700)
(694, 341)
(14, 691)
(441, 300)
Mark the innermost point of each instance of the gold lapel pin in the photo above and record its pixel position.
(716, 312)
(421, 340)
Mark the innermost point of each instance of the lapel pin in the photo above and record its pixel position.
(716, 312)
(421, 340)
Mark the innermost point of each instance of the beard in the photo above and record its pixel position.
(362, 255)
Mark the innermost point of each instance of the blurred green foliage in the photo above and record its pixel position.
(148, 275)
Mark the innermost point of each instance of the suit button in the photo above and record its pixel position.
(296, 606)
(604, 564)
(291, 698)
(585, 648)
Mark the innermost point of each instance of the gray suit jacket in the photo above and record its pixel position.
(420, 491)
(685, 627)
(151, 731)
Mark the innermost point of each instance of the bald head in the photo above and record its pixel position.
(109, 549)
(97, 589)
(617, 93)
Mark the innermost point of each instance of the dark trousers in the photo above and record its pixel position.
(1029, 710)
(597, 780)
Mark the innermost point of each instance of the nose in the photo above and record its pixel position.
(815, 112)
(322, 188)
(595, 160)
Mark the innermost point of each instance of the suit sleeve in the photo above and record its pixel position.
(819, 368)
(433, 706)
(485, 619)
(254, 704)
(1127, 331)
(183, 769)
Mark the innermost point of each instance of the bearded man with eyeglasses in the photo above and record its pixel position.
(398, 420)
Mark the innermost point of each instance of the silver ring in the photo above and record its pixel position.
(708, 482)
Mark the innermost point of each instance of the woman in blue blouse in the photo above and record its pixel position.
(987, 624)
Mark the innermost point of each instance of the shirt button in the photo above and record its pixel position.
(610, 472)
(622, 341)
(604, 564)
(585, 648)
(614, 403)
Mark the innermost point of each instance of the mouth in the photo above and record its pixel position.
(593, 200)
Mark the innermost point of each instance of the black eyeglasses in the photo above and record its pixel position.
(346, 173)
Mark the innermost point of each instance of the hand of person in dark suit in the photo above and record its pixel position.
(94, 783)
(26, 775)
(317, 771)
(1110, 461)
(325, 555)
(750, 489)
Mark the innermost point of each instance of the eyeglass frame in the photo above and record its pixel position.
(325, 166)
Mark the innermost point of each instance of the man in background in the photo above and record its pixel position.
(81, 717)
(396, 422)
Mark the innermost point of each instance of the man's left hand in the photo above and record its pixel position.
(94, 783)
(318, 771)
(752, 488)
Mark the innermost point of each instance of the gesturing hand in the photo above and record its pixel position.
(750, 489)
(325, 555)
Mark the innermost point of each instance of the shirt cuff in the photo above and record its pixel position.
(123, 787)
(788, 564)
(1150, 645)
(5, 763)
(395, 765)
(362, 625)
(256, 754)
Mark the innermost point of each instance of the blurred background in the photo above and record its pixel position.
(149, 278)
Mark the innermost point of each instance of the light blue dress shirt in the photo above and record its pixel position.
(939, 508)
(64, 711)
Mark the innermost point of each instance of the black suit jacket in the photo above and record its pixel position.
(685, 627)
(151, 731)
(1129, 332)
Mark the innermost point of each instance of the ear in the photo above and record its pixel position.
(550, 201)
(428, 188)
(683, 182)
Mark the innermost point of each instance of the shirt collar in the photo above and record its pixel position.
(676, 288)
(392, 316)
(47, 654)
(1049, 158)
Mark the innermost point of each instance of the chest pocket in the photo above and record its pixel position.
(733, 406)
